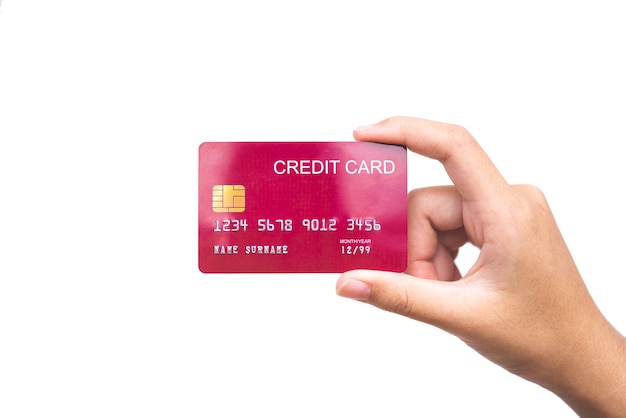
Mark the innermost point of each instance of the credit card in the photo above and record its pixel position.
(301, 207)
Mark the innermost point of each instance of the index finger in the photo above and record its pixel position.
(467, 164)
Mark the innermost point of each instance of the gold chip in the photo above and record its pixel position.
(229, 198)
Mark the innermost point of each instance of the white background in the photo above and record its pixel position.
(103, 104)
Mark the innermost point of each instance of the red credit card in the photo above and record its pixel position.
(301, 207)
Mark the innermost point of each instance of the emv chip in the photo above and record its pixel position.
(229, 198)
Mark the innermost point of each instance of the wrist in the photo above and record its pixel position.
(591, 373)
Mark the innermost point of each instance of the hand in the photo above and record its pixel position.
(523, 304)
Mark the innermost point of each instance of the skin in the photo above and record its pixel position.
(523, 304)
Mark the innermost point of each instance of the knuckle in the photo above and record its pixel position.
(458, 138)
(418, 196)
(461, 136)
(530, 210)
(532, 196)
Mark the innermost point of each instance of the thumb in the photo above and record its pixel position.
(434, 302)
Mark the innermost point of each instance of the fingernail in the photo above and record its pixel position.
(364, 127)
(354, 289)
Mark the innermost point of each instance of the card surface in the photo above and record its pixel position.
(301, 207)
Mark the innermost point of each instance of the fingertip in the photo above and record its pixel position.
(353, 289)
(365, 127)
(349, 285)
(383, 131)
(363, 132)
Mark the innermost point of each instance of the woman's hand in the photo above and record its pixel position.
(523, 304)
